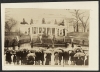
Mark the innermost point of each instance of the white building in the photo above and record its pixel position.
(38, 29)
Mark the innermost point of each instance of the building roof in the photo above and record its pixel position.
(43, 25)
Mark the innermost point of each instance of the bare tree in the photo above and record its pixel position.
(76, 14)
(84, 23)
(73, 23)
(10, 24)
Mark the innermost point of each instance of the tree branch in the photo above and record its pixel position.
(87, 20)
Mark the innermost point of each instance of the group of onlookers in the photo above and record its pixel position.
(22, 56)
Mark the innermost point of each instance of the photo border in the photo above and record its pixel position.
(93, 6)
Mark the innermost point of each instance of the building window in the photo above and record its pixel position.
(63, 32)
(28, 30)
(48, 31)
(58, 32)
(44, 30)
(34, 30)
(40, 30)
(53, 31)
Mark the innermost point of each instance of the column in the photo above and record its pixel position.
(59, 31)
(46, 30)
(65, 35)
(62, 31)
(30, 30)
(42, 30)
(37, 30)
(51, 30)
(55, 31)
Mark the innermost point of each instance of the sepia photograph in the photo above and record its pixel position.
(46, 37)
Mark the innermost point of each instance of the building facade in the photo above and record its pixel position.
(35, 30)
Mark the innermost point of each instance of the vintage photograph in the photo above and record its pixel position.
(54, 37)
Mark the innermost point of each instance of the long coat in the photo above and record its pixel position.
(72, 44)
(66, 56)
(8, 57)
(48, 58)
(72, 56)
(79, 62)
(37, 56)
(30, 60)
(18, 55)
(14, 58)
(42, 56)
(60, 56)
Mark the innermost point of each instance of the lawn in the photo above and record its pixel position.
(77, 38)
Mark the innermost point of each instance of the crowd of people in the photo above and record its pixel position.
(38, 56)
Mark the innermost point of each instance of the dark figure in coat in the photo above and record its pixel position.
(79, 61)
(37, 58)
(42, 57)
(66, 44)
(66, 57)
(83, 42)
(32, 44)
(30, 60)
(8, 57)
(72, 45)
(48, 58)
(72, 56)
(18, 56)
(82, 58)
(7, 43)
(24, 56)
(14, 58)
(7, 53)
(60, 58)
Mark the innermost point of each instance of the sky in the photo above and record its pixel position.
(36, 14)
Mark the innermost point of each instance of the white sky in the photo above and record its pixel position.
(37, 14)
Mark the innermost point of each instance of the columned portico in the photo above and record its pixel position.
(49, 29)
